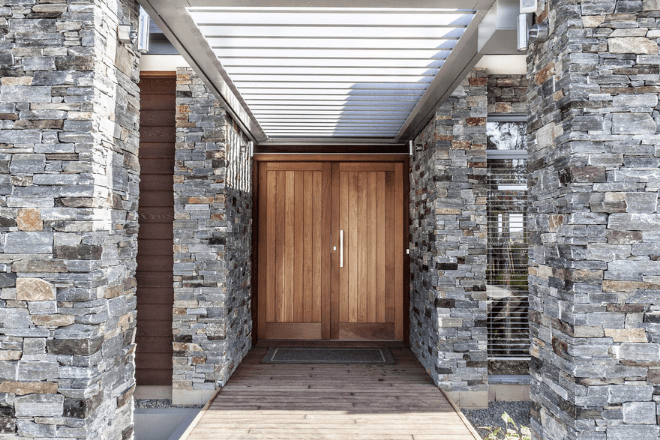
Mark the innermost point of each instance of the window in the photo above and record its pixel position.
(506, 274)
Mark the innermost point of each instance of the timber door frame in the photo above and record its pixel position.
(258, 159)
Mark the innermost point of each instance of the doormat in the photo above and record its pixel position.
(277, 355)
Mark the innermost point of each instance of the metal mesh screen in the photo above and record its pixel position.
(508, 302)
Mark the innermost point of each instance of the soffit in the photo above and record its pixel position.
(291, 72)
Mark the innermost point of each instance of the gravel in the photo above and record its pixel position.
(160, 403)
(492, 417)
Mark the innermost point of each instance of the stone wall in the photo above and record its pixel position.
(595, 258)
(448, 244)
(212, 244)
(69, 116)
(507, 94)
(238, 249)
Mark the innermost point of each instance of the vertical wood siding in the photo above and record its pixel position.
(155, 292)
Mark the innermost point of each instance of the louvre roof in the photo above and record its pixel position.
(331, 72)
(350, 71)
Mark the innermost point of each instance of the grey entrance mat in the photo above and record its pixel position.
(287, 355)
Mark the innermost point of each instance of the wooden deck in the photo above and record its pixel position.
(280, 401)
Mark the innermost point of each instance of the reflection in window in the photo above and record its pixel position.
(506, 135)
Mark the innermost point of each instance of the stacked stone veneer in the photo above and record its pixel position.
(507, 94)
(448, 244)
(69, 116)
(212, 244)
(595, 256)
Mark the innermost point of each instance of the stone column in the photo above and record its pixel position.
(594, 221)
(69, 111)
(212, 244)
(448, 245)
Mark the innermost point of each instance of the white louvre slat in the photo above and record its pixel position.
(337, 78)
(319, 17)
(338, 99)
(390, 71)
(339, 32)
(330, 62)
(329, 43)
(257, 92)
(384, 54)
(346, 87)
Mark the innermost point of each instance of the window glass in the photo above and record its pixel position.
(506, 135)
(506, 274)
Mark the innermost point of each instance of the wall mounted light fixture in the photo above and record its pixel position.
(537, 33)
(143, 32)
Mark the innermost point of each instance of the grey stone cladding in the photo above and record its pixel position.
(448, 244)
(594, 176)
(212, 244)
(507, 94)
(69, 175)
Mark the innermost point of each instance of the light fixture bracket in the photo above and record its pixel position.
(126, 34)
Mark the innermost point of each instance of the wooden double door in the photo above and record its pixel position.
(331, 250)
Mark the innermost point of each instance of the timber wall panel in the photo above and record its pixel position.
(155, 292)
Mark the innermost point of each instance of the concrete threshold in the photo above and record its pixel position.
(163, 423)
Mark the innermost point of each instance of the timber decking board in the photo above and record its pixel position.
(317, 401)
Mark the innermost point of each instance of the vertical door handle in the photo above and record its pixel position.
(341, 248)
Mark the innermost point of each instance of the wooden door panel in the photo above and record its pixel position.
(365, 296)
(293, 249)
(369, 297)
(303, 294)
(367, 331)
